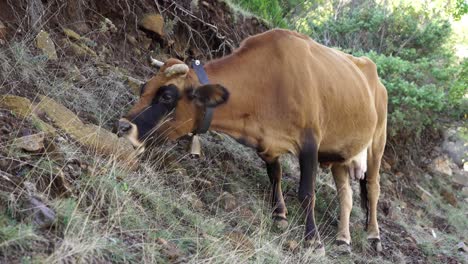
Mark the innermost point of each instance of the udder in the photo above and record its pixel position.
(357, 166)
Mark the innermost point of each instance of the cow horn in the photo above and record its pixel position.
(156, 63)
(180, 68)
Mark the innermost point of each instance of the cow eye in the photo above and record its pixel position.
(166, 98)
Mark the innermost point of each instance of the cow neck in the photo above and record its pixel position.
(205, 123)
(226, 115)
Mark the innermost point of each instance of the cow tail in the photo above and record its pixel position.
(364, 199)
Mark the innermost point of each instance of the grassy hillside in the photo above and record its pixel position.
(68, 197)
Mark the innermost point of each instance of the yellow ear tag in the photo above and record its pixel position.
(195, 147)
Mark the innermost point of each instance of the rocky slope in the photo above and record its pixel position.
(70, 191)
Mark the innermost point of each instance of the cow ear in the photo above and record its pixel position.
(210, 95)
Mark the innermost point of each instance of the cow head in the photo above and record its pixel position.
(171, 104)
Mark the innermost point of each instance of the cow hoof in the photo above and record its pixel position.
(342, 248)
(317, 248)
(280, 223)
(375, 244)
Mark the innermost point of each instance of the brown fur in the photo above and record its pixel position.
(282, 86)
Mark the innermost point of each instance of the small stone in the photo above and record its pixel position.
(134, 84)
(461, 178)
(462, 247)
(154, 23)
(31, 143)
(46, 44)
(132, 40)
(291, 245)
(71, 34)
(80, 50)
(241, 242)
(145, 42)
(281, 224)
(169, 250)
(197, 204)
(107, 25)
(249, 216)
(423, 194)
(43, 216)
(3, 31)
(228, 201)
(442, 165)
(137, 51)
(465, 191)
(386, 166)
(450, 198)
(202, 183)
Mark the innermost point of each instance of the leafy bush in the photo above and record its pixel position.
(414, 98)
(411, 43)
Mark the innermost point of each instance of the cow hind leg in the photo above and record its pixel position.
(308, 162)
(373, 193)
(277, 200)
(373, 190)
(345, 194)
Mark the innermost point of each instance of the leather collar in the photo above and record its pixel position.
(204, 125)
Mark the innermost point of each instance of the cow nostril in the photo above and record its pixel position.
(124, 126)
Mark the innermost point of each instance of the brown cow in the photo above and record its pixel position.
(281, 92)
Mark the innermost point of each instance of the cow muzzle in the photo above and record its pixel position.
(128, 130)
(123, 128)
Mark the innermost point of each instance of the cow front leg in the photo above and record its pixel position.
(277, 200)
(308, 161)
(345, 194)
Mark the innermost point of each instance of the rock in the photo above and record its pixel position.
(292, 246)
(454, 145)
(240, 242)
(19, 105)
(134, 84)
(249, 216)
(202, 183)
(73, 73)
(449, 197)
(3, 32)
(80, 50)
(399, 174)
(464, 191)
(462, 247)
(71, 34)
(42, 215)
(197, 204)
(228, 201)
(107, 25)
(385, 165)
(281, 224)
(61, 183)
(31, 143)
(423, 194)
(169, 249)
(24, 108)
(154, 23)
(442, 165)
(131, 39)
(461, 178)
(194, 200)
(137, 51)
(92, 137)
(46, 44)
